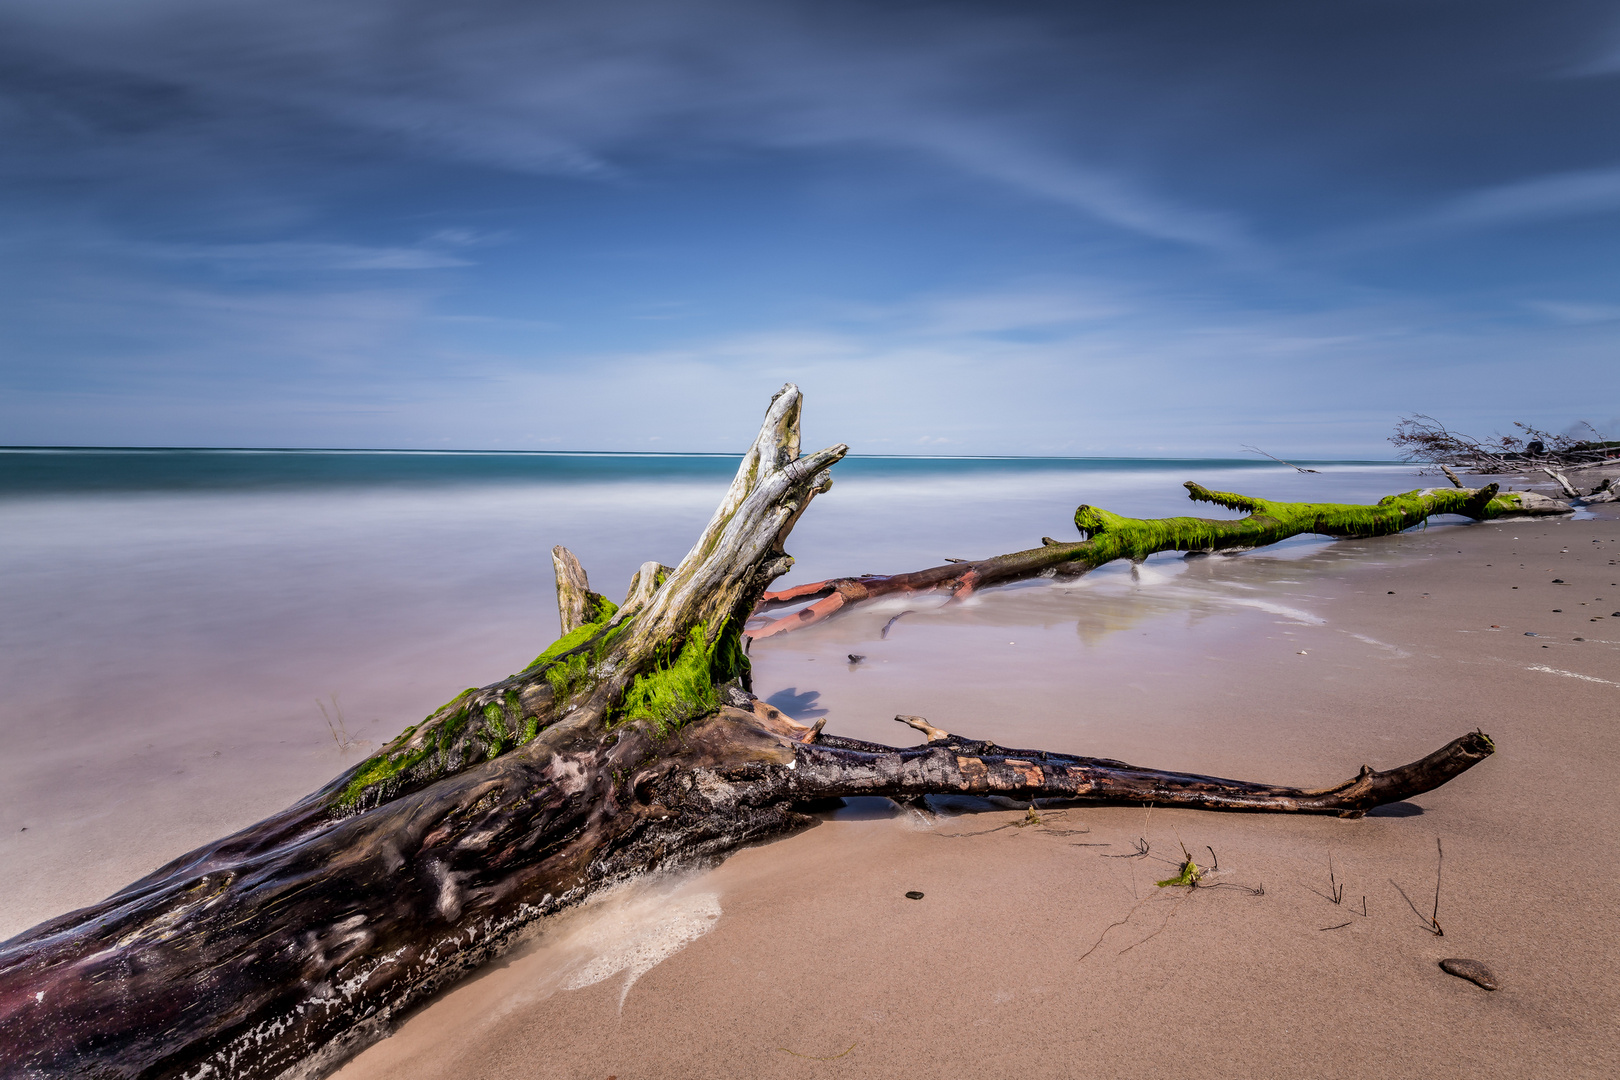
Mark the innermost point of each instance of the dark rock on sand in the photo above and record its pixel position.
(1472, 970)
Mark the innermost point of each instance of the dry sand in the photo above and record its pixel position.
(1039, 952)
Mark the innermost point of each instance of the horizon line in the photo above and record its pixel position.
(44, 448)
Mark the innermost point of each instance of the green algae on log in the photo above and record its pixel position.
(1106, 537)
(633, 743)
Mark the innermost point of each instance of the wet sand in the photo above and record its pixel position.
(1044, 950)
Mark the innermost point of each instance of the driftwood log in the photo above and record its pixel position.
(633, 742)
(1106, 537)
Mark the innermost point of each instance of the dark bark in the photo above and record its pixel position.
(631, 744)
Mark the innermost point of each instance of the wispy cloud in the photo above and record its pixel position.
(1036, 227)
(1575, 312)
(1107, 195)
(1557, 195)
(291, 256)
(1067, 368)
(1032, 306)
(581, 90)
(1549, 197)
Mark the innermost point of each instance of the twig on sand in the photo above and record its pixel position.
(340, 730)
(1335, 893)
(1160, 930)
(1110, 926)
(890, 624)
(1193, 876)
(1031, 817)
(1142, 846)
(1431, 922)
(812, 1057)
(1187, 871)
(1252, 890)
(1439, 863)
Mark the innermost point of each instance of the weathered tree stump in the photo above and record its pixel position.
(631, 743)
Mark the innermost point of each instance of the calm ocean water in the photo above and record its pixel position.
(169, 619)
(619, 508)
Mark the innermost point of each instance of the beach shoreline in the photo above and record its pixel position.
(1291, 664)
(171, 657)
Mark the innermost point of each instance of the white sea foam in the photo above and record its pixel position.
(1571, 674)
(1294, 614)
(1398, 652)
(636, 935)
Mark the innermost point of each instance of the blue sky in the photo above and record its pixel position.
(1088, 228)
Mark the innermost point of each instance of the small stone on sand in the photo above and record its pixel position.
(1472, 970)
(915, 895)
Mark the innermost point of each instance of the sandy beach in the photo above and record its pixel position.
(1042, 948)
(1046, 949)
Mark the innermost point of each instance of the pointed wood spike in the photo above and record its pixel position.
(573, 590)
(934, 734)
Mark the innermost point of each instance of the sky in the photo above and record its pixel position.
(1092, 228)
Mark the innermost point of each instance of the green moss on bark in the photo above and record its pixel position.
(684, 684)
(598, 613)
(1110, 536)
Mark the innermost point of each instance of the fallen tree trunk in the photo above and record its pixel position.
(1106, 537)
(631, 743)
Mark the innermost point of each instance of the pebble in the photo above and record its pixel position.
(915, 895)
(1472, 970)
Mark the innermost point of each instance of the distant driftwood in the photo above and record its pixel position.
(633, 742)
(1106, 537)
(1424, 439)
